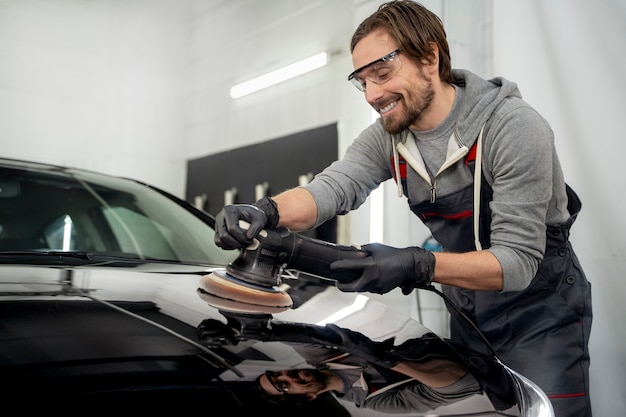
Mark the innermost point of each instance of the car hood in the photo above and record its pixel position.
(146, 332)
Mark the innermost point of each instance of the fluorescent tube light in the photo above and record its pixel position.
(279, 75)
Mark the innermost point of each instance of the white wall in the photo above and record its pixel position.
(136, 87)
(96, 84)
(568, 58)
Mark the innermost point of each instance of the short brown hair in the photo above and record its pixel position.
(414, 28)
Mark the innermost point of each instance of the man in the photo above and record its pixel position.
(479, 167)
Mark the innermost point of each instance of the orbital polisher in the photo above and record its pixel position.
(251, 283)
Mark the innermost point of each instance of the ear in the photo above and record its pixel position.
(310, 396)
(434, 56)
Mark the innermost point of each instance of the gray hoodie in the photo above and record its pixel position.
(519, 162)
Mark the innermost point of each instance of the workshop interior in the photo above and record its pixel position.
(152, 90)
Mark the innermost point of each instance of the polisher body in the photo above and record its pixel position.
(254, 277)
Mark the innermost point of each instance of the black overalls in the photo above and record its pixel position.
(547, 323)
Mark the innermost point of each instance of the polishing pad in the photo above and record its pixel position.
(224, 291)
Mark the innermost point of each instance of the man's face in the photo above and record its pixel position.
(294, 381)
(403, 99)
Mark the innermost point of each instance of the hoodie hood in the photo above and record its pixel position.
(481, 98)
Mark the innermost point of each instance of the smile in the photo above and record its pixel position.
(388, 107)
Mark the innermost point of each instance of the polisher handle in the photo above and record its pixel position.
(314, 256)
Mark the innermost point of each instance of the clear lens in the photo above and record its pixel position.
(357, 83)
(281, 386)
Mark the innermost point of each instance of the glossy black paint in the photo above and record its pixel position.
(102, 308)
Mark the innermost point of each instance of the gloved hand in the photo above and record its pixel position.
(260, 215)
(387, 268)
(357, 344)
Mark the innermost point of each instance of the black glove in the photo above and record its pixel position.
(387, 268)
(261, 215)
(357, 344)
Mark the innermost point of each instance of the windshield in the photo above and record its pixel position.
(102, 215)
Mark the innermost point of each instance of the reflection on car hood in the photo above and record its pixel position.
(146, 335)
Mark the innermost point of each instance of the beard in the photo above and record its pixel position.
(415, 105)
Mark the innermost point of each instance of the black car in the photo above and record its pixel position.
(106, 303)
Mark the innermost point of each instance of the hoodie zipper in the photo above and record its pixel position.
(433, 192)
(419, 167)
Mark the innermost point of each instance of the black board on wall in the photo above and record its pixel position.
(277, 163)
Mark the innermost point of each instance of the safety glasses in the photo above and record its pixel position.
(377, 72)
(281, 386)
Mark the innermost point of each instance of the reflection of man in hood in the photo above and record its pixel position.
(351, 366)
(408, 386)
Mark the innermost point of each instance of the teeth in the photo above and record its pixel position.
(389, 107)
